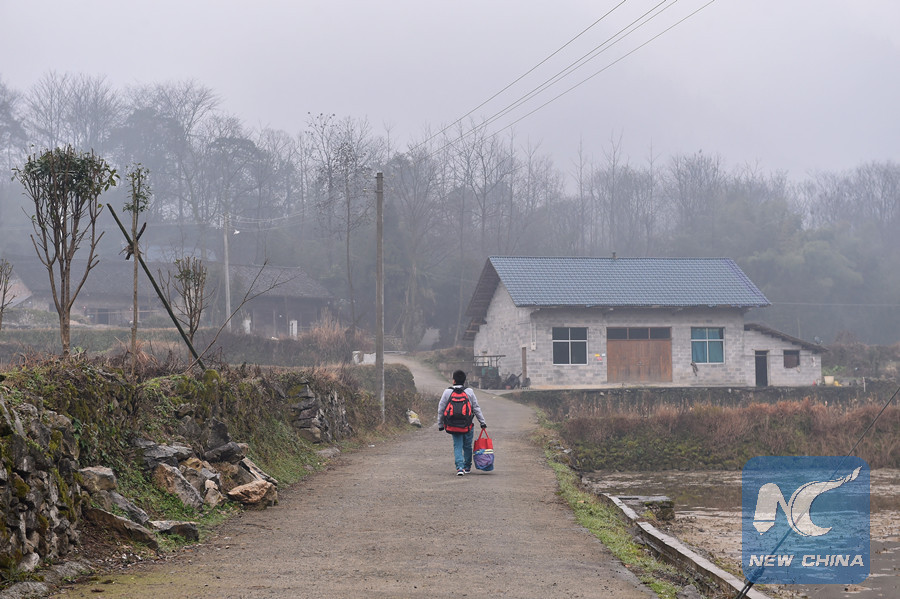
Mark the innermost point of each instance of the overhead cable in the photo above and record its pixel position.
(571, 68)
(520, 77)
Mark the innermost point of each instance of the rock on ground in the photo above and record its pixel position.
(394, 520)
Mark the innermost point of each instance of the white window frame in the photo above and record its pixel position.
(568, 341)
(706, 342)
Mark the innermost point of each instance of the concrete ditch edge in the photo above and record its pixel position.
(674, 552)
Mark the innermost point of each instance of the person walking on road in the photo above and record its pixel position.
(457, 410)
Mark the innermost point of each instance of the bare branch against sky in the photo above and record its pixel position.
(800, 86)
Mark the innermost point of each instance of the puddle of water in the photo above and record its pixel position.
(708, 518)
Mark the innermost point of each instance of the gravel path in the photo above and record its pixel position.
(394, 520)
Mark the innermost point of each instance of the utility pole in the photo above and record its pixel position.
(225, 231)
(379, 288)
(159, 293)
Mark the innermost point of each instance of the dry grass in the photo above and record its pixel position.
(707, 436)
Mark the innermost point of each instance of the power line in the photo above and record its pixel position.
(285, 221)
(749, 584)
(275, 221)
(559, 75)
(580, 62)
(618, 60)
(522, 76)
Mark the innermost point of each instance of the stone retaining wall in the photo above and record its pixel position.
(43, 492)
(40, 495)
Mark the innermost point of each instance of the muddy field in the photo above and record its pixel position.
(708, 518)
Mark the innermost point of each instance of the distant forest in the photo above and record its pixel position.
(824, 250)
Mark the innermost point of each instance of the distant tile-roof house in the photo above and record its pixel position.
(581, 322)
(292, 300)
(284, 300)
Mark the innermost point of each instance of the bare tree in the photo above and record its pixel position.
(415, 191)
(485, 167)
(12, 133)
(92, 111)
(45, 109)
(611, 196)
(177, 111)
(65, 187)
(875, 190)
(188, 286)
(695, 185)
(304, 180)
(826, 200)
(274, 176)
(535, 185)
(80, 110)
(346, 153)
(584, 230)
(6, 297)
(650, 205)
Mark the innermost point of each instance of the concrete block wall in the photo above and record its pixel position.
(730, 372)
(542, 370)
(509, 329)
(808, 372)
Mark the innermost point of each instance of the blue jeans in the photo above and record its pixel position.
(462, 449)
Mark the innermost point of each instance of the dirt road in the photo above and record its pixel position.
(395, 521)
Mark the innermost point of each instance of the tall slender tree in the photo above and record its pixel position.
(46, 104)
(346, 154)
(92, 112)
(138, 202)
(65, 186)
(6, 296)
(415, 192)
(12, 133)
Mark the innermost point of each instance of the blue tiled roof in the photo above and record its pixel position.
(635, 282)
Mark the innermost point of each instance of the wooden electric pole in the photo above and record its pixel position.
(379, 288)
(226, 232)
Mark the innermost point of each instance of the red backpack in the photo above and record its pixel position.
(458, 414)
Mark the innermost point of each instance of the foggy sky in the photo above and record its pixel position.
(793, 85)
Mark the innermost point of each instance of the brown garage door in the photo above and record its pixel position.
(639, 354)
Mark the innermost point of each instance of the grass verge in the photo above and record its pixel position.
(603, 521)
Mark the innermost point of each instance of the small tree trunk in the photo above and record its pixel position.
(64, 308)
(134, 319)
(6, 297)
(64, 332)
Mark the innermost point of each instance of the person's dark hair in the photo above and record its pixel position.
(459, 377)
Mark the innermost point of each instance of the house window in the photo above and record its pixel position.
(570, 345)
(707, 345)
(660, 333)
(792, 358)
(619, 333)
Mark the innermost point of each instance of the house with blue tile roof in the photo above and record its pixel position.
(564, 322)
